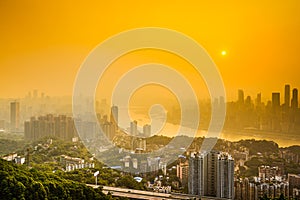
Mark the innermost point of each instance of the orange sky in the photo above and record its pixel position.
(44, 44)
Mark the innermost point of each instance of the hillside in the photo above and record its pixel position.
(20, 182)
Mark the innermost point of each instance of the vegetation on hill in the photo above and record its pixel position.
(259, 146)
(20, 182)
(46, 177)
(8, 146)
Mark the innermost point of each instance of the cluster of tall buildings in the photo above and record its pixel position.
(135, 132)
(250, 190)
(61, 127)
(272, 116)
(294, 185)
(211, 175)
(15, 111)
(109, 126)
(266, 173)
(66, 128)
(134, 164)
(138, 139)
(270, 183)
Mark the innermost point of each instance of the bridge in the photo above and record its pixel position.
(140, 194)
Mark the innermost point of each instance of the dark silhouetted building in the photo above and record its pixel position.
(294, 102)
(258, 99)
(287, 96)
(275, 100)
(241, 96)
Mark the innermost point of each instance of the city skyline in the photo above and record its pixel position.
(150, 100)
(286, 91)
(48, 55)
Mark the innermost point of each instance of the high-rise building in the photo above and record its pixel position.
(62, 127)
(294, 182)
(266, 172)
(114, 116)
(27, 130)
(225, 176)
(182, 170)
(133, 128)
(258, 99)
(14, 116)
(139, 144)
(196, 175)
(287, 96)
(211, 175)
(275, 100)
(248, 101)
(241, 96)
(294, 102)
(146, 130)
(109, 129)
(255, 190)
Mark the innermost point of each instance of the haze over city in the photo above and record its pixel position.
(261, 41)
(150, 100)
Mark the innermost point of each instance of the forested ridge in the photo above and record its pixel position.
(20, 182)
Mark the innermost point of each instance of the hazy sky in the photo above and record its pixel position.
(44, 44)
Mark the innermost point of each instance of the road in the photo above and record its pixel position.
(140, 194)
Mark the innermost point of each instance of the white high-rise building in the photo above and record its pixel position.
(211, 175)
(133, 128)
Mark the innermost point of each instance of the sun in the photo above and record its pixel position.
(223, 53)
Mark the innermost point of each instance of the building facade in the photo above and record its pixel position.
(211, 175)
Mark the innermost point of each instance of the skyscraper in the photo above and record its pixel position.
(182, 170)
(147, 130)
(114, 116)
(275, 119)
(258, 99)
(287, 96)
(248, 101)
(109, 129)
(275, 100)
(14, 116)
(225, 176)
(241, 96)
(211, 175)
(196, 175)
(294, 102)
(133, 128)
